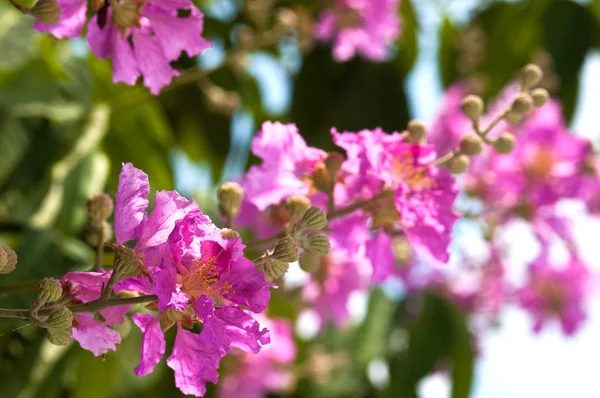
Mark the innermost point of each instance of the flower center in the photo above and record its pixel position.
(415, 176)
(540, 163)
(384, 214)
(203, 279)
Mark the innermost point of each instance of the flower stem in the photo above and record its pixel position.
(344, 211)
(92, 306)
(18, 287)
(99, 251)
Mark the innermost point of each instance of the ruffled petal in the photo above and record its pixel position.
(153, 343)
(94, 336)
(72, 20)
(131, 202)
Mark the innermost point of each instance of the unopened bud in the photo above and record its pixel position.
(60, 337)
(505, 143)
(287, 18)
(539, 96)
(100, 206)
(522, 104)
(45, 11)
(230, 234)
(333, 163)
(309, 262)
(321, 178)
(417, 131)
(472, 107)
(314, 219)
(49, 290)
(514, 118)
(531, 75)
(471, 145)
(98, 232)
(459, 164)
(230, 195)
(296, 206)
(318, 245)
(127, 262)
(60, 318)
(273, 269)
(286, 250)
(8, 260)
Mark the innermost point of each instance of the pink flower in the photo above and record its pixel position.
(72, 20)
(451, 123)
(286, 170)
(91, 334)
(555, 293)
(360, 27)
(340, 274)
(421, 194)
(255, 376)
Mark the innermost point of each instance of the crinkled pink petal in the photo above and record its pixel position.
(243, 331)
(169, 207)
(379, 251)
(249, 286)
(151, 61)
(189, 232)
(131, 203)
(153, 343)
(195, 360)
(94, 336)
(164, 285)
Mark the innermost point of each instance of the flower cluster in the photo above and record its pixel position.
(141, 36)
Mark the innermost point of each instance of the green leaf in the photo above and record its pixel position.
(17, 38)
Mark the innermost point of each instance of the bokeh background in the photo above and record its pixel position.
(65, 128)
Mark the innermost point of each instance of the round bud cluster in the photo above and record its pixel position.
(230, 196)
(539, 96)
(531, 75)
(416, 131)
(59, 318)
(8, 260)
(60, 337)
(505, 143)
(318, 245)
(522, 104)
(230, 234)
(459, 164)
(471, 145)
(127, 262)
(273, 269)
(98, 232)
(100, 206)
(296, 206)
(472, 107)
(49, 290)
(286, 250)
(313, 220)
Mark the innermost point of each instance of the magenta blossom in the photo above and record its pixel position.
(92, 334)
(287, 167)
(360, 27)
(555, 293)
(141, 36)
(204, 278)
(255, 376)
(420, 195)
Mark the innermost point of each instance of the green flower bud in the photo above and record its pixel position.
(471, 145)
(333, 163)
(309, 262)
(286, 250)
(514, 118)
(540, 96)
(100, 206)
(296, 206)
(49, 290)
(417, 131)
(472, 107)
(273, 269)
(60, 337)
(45, 11)
(127, 13)
(522, 104)
(314, 219)
(98, 231)
(127, 262)
(60, 318)
(229, 234)
(8, 260)
(230, 195)
(505, 143)
(318, 245)
(531, 75)
(459, 164)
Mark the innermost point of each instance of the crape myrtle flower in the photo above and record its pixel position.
(141, 36)
(269, 371)
(555, 293)
(360, 27)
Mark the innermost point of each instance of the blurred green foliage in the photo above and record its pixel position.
(65, 129)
